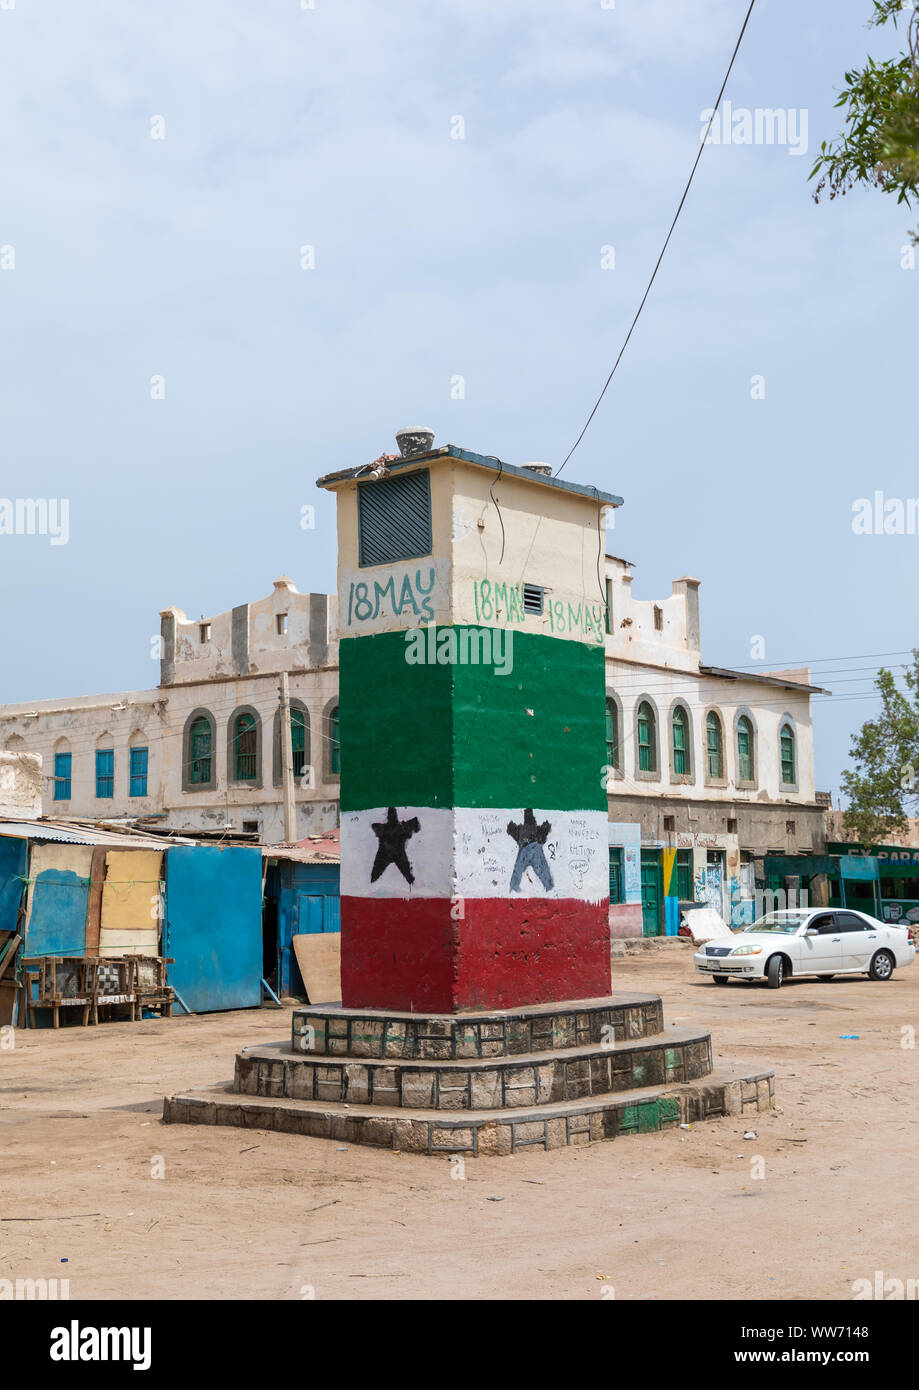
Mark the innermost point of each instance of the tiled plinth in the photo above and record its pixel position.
(482, 1133)
(478, 1083)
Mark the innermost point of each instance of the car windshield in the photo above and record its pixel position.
(787, 922)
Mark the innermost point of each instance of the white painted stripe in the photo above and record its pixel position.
(428, 852)
(472, 853)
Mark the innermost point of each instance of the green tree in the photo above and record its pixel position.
(883, 785)
(880, 145)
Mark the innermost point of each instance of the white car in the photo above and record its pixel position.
(814, 941)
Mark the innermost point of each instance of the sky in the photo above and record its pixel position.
(250, 241)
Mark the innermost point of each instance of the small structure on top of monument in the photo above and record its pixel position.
(474, 844)
(476, 1013)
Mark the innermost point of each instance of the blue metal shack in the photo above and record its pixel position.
(302, 896)
(213, 927)
(212, 895)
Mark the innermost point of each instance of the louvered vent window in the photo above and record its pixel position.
(394, 519)
(532, 598)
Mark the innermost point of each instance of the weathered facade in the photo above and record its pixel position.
(714, 766)
(202, 750)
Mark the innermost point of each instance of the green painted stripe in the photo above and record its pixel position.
(460, 735)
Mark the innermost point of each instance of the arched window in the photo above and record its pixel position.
(744, 749)
(787, 754)
(105, 767)
(334, 743)
(680, 731)
(63, 769)
(612, 733)
(245, 743)
(714, 745)
(647, 738)
(299, 745)
(200, 751)
(298, 739)
(138, 764)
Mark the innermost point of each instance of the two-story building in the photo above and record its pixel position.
(708, 769)
(202, 750)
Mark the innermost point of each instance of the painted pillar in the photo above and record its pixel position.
(474, 867)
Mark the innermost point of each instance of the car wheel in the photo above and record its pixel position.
(775, 972)
(720, 979)
(882, 966)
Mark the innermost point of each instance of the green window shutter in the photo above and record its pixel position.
(788, 756)
(334, 743)
(246, 742)
(713, 746)
(684, 875)
(199, 747)
(298, 739)
(612, 733)
(646, 752)
(680, 762)
(745, 750)
(394, 519)
(615, 876)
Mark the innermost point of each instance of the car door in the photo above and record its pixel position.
(820, 954)
(858, 940)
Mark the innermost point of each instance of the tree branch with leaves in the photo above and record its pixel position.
(880, 146)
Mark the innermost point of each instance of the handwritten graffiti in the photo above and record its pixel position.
(391, 598)
(503, 603)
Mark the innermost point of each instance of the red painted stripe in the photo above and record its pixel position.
(503, 952)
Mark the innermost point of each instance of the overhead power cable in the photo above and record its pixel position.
(666, 242)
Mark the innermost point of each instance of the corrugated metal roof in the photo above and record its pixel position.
(68, 833)
(315, 849)
(764, 678)
(331, 480)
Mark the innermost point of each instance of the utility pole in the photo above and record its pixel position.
(287, 765)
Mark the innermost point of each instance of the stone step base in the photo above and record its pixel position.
(486, 1083)
(635, 945)
(331, 1030)
(482, 1133)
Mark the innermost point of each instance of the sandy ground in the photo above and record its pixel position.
(247, 1214)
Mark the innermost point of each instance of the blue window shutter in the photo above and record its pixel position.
(105, 772)
(138, 772)
(62, 772)
(394, 519)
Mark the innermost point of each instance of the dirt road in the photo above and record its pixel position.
(682, 1214)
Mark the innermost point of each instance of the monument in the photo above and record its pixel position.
(476, 1012)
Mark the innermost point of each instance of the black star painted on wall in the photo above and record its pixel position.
(530, 839)
(392, 835)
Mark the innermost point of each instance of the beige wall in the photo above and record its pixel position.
(542, 528)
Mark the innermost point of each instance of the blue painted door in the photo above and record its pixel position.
(12, 873)
(317, 913)
(214, 926)
(309, 914)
